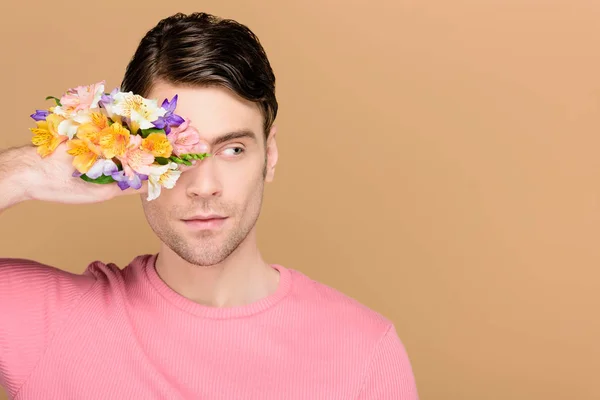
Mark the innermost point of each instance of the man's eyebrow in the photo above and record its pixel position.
(241, 134)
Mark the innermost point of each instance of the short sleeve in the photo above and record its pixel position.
(34, 300)
(390, 375)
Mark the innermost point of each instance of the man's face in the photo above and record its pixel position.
(215, 204)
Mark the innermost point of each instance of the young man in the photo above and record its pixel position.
(206, 317)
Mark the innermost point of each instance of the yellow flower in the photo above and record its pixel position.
(114, 140)
(85, 153)
(46, 136)
(158, 144)
(98, 123)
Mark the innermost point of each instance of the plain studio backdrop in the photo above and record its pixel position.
(438, 162)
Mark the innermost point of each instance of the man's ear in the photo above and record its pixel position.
(272, 154)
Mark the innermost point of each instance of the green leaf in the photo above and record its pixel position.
(176, 159)
(161, 160)
(194, 156)
(103, 179)
(185, 159)
(55, 99)
(146, 132)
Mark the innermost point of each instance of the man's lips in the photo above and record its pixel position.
(207, 221)
(203, 217)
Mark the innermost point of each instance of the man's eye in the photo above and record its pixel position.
(233, 151)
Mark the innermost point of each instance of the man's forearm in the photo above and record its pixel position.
(14, 163)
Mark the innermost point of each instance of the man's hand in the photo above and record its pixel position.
(24, 175)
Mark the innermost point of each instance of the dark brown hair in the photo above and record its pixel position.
(200, 49)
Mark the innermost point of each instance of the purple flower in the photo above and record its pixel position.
(108, 98)
(170, 119)
(124, 182)
(40, 115)
(102, 167)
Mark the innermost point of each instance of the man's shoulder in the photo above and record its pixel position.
(30, 270)
(113, 271)
(336, 308)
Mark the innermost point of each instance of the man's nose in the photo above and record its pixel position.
(204, 180)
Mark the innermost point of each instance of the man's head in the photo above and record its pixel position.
(226, 87)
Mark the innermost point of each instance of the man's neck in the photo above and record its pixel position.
(243, 278)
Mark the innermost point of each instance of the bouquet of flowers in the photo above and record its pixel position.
(119, 137)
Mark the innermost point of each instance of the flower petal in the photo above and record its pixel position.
(96, 170)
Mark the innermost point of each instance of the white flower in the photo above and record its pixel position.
(162, 176)
(139, 110)
(69, 126)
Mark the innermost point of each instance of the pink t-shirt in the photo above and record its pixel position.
(124, 334)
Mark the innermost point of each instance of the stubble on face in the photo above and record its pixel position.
(206, 248)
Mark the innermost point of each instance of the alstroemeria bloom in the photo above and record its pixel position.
(76, 105)
(86, 148)
(46, 135)
(98, 122)
(140, 112)
(40, 115)
(124, 181)
(68, 127)
(85, 154)
(136, 159)
(185, 139)
(102, 167)
(158, 145)
(81, 98)
(114, 140)
(162, 176)
(107, 102)
(170, 119)
(108, 98)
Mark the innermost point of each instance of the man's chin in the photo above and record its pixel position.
(204, 259)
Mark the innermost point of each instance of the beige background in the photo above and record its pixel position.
(439, 162)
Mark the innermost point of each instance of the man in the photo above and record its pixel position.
(206, 317)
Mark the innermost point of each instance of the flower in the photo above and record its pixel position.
(40, 115)
(86, 153)
(124, 181)
(107, 99)
(170, 119)
(101, 133)
(139, 111)
(158, 144)
(185, 139)
(75, 106)
(114, 140)
(102, 167)
(162, 176)
(107, 102)
(135, 159)
(68, 127)
(80, 98)
(98, 122)
(46, 135)
(86, 148)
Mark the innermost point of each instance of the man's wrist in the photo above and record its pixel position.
(17, 174)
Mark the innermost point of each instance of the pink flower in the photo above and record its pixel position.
(135, 158)
(185, 139)
(82, 98)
